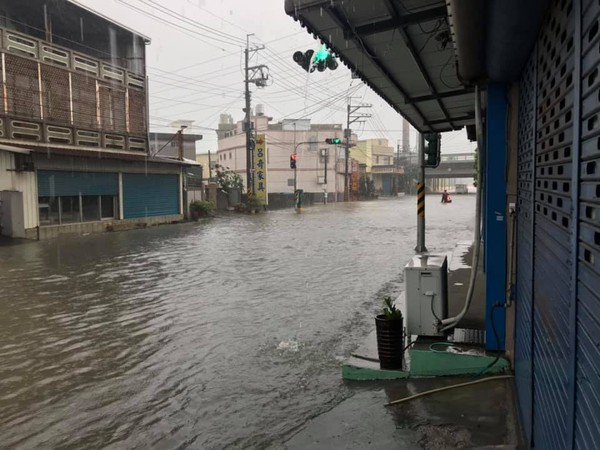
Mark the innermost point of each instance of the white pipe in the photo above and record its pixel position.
(451, 322)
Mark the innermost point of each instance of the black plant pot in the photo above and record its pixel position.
(390, 342)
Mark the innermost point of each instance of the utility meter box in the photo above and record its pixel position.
(426, 282)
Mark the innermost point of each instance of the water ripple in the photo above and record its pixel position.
(224, 334)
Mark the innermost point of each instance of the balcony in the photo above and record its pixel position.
(384, 169)
(58, 97)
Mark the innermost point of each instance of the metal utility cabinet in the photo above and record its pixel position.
(426, 282)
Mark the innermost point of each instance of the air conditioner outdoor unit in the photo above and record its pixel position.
(426, 282)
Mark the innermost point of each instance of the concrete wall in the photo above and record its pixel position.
(167, 145)
(53, 231)
(24, 182)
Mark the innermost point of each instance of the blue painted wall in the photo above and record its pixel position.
(495, 215)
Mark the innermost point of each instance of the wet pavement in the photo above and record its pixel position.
(476, 417)
(228, 333)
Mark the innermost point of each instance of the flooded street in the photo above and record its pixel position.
(227, 333)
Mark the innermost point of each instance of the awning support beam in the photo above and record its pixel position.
(335, 15)
(427, 98)
(401, 21)
(415, 56)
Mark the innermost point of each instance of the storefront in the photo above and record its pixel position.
(71, 197)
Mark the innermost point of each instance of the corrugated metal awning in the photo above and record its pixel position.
(402, 49)
(12, 149)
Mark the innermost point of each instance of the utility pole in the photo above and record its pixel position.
(209, 168)
(352, 117)
(259, 76)
(179, 138)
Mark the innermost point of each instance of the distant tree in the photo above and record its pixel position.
(366, 187)
(228, 180)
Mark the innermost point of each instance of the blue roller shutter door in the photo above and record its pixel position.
(525, 215)
(149, 195)
(587, 363)
(52, 183)
(553, 229)
(557, 348)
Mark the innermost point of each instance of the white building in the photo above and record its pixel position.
(282, 138)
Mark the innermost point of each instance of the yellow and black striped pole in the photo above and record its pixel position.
(420, 200)
(420, 248)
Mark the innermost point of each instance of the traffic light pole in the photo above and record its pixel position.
(420, 248)
(296, 164)
(325, 178)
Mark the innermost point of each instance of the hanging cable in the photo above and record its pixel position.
(451, 322)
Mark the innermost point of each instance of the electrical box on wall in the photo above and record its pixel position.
(426, 282)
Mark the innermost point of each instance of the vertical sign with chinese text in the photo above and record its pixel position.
(260, 170)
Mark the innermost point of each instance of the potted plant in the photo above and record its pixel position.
(252, 204)
(201, 208)
(390, 336)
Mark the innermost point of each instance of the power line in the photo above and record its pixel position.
(172, 13)
(192, 33)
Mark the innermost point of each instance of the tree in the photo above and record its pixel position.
(228, 180)
(366, 187)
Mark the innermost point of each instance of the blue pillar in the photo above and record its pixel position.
(494, 214)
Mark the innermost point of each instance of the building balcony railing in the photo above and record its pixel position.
(42, 51)
(56, 96)
(35, 131)
(387, 169)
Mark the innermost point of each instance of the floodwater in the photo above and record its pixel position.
(228, 333)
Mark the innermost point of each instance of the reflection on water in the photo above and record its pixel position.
(227, 333)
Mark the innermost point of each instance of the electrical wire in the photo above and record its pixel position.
(198, 25)
(496, 336)
(189, 32)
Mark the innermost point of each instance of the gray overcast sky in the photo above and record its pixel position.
(195, 65)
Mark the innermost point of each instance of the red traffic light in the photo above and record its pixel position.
(294, 157)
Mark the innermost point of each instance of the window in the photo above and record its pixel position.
(77, 208)
(107, 207)
(69, 209)
(48, 207)
(90, 208)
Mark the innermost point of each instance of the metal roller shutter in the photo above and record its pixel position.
(63, 183)
(150, 195)
(525, 215)
(553, 227)
(587, 370)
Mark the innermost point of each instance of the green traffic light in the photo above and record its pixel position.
(337, 141)
(321, 55)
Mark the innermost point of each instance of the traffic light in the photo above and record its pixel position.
(324, 60)
(304, 59)
(431, 151)
(320, 61)
(293, 159)
(333, 141)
